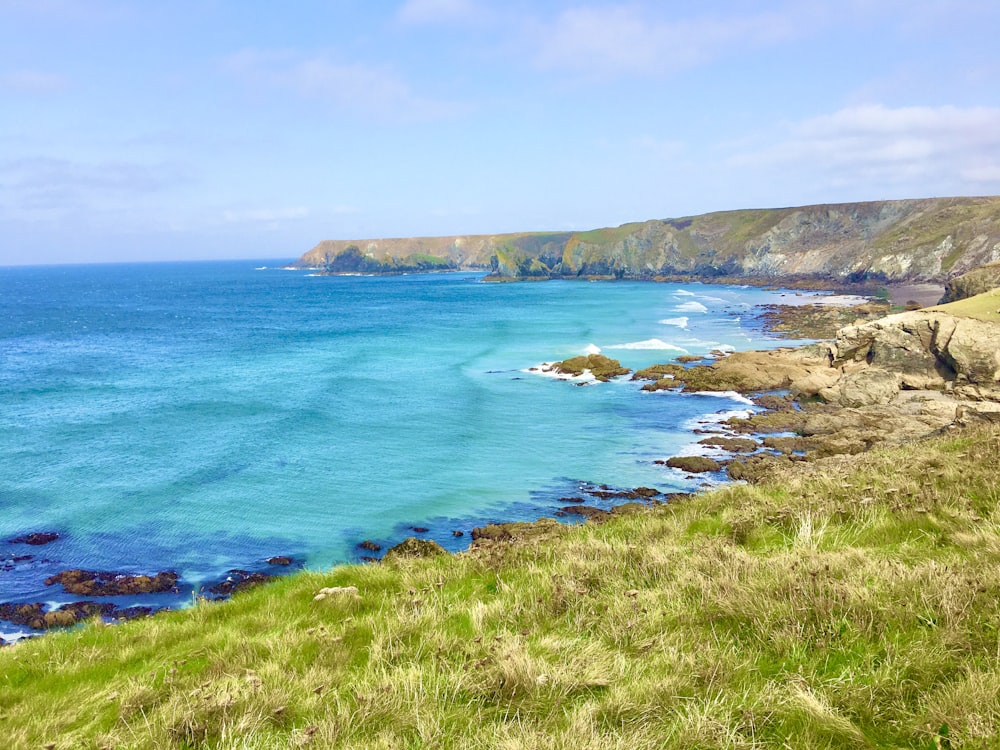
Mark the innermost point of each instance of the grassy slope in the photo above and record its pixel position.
(858, 606)
(984, 306)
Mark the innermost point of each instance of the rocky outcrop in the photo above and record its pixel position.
(104, 583)
(925, 349)
(909, 240)
(601, 367)
(971, 283)
(693, 464)
(413, 547)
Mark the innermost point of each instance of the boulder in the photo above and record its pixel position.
(971, 283)
(693, 464)
(36, 538)
(104, 583)
(869, 387)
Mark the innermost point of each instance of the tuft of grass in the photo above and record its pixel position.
(853, 602)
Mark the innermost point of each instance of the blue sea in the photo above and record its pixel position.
(202, 417)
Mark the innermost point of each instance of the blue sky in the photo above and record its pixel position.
(242, 128)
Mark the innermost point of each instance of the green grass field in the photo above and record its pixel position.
(853, 604)
(981, 307)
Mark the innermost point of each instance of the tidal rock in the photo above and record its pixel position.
(413, 547)
(586, 511)
(103, 583)
(693, 464)
(601, 367)
(369, 545)
(279, 560)
(733, 445)
(239, 580)
(36, 538)
(35, 617)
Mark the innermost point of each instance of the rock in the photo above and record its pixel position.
(869, 387)
(103, 583)
(420, 529)
(239, 580)
(457, 533)
(693, 464)
(972, 349)
(733, 445)
(348, 592)
(36, 538)
(969, 284)
(601, 367)
(646, 491)
(587, 511)
(370, 546)
(279, 560)
(35, 617)
(811, 384)
(413, 547)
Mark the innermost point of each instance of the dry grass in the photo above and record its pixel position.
(856, 605)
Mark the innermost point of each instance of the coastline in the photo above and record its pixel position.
(585, 511)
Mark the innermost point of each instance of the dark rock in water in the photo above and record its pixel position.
(775, 403)
(607, 493)
(35, 617)
(456, 532)
(239, 580)
(413, 547)
(103, 583)
(693, 464)
(367, 559)
(132, 613)
(586, 511)
(36, 539)
(279, 560)
(370, 546)
(573, 500)
(22, 558)
(420, 529)
(735, 445)
(646, 492)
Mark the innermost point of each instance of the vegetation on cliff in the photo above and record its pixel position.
(909, 240)
(853, 603)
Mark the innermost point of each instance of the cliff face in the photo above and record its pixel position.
(928, 240)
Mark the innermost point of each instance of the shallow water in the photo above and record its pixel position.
(202, 417)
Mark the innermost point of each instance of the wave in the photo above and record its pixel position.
(683, 293)
(592, 349)
(726, 394)
(681, 322)
(548, 370)
(649, 344)
(691, 306)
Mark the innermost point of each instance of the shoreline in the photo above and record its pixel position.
(570, 512)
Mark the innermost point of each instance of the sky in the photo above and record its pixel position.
(224, 129)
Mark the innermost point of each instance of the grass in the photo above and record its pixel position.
(984, 306)
(854, 604)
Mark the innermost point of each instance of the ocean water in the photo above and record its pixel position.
(205, 416)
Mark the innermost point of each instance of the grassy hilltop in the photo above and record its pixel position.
(930, 239)
(854, 603)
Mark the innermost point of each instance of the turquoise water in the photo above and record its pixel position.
(202, 417)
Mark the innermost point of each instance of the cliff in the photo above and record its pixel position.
(926, 240)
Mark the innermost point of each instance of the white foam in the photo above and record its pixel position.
(649, 344)
(717, 418)
(691, 306)
(548, 370)
(15, 636)
(710, 299)
(679, 322)
(726, 394)
(684, 293)
(592, 349)
(724, 348)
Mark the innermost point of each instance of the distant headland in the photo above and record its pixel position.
(928, 240)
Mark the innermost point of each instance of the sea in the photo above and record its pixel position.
(204, 417)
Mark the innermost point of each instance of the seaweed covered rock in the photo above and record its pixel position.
(104, 583)
(693, 464)
(601, 367)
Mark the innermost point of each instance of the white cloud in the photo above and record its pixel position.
(934, 147)
(32, 81)
(364, 89)
(629, 40)
(439, 11)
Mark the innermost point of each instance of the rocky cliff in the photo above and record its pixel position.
(927, 240)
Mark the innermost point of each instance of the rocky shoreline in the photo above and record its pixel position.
(878, 380)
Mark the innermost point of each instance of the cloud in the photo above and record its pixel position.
(948, 146)
(629, 39)
(355, 87)
(46, 186)
(32, 82)
(418, 12)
